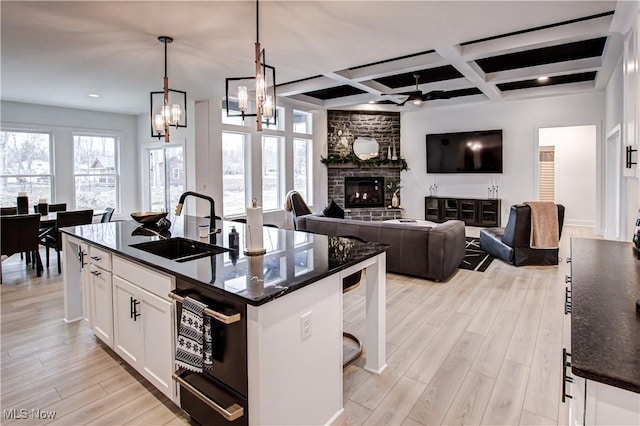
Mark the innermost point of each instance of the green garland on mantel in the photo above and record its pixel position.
(351, 159)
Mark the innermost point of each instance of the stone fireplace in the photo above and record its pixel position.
(385, 128)
(363, 192)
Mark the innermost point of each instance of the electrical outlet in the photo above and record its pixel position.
(305, 326)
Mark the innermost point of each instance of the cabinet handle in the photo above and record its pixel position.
(565, 379)
(567, 279)
(230, 413)
(136, 314)
(96, 258)
(219, 316)
(567, 300)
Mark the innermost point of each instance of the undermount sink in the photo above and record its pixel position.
(180, 249)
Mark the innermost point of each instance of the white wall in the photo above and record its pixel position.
(63, 122)
(575, 171)
(519, 120)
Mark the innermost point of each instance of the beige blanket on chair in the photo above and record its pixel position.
(544, 224)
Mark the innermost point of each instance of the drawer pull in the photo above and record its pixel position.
(567, 301)
(225, 319)
(567, 279)
(230, 413)
(565, 379)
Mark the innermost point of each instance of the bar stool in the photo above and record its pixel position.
(348, 284)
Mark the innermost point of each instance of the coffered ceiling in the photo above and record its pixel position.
(332, 54)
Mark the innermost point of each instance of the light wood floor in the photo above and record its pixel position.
(482, 348)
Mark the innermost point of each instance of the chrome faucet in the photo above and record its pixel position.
(212, 215)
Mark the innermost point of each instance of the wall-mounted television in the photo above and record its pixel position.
(465, 152)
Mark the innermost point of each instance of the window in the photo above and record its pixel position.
(95, 165)
(25, 166)
(302, 122)
(271, 172)
(233, 173)
(303, 169)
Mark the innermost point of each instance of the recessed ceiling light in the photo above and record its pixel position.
(94, 95)
(543, 79)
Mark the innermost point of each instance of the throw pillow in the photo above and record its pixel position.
(333, 210)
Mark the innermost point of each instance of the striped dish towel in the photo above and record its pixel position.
(194, 346)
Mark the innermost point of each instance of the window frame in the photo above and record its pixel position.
(116, 162)
(246, 136)
(51, 175)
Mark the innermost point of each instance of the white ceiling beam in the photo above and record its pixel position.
(469, 70)
(304, 86)
(624, 16)
(549, 70)
(306, 99)
(400, 66)
(362, 98)
(560, 89)
(612, 53)
(582, 30)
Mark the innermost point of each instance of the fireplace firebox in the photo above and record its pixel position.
(360, 192)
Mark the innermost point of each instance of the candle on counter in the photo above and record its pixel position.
(254, 230)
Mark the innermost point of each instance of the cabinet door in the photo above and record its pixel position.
(101, 305)
(158, 350)
(127, 341)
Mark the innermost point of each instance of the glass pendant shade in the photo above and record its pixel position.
(243, 98)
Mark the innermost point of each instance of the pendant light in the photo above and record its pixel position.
(263, 86)
(169, 107)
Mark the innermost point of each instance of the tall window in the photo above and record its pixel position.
(271, 172)
(95, 165)
(303, 154)
(25, 166)
(302, 168)
(233, 173)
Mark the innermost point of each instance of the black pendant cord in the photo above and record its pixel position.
(165, 58)
(257, 23)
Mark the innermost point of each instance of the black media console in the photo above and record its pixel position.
(472, 211)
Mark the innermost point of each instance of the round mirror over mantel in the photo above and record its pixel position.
(365, 147)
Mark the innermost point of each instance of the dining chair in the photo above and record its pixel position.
(106, 217)
(53, 239)
(20, 234)
(6, 211)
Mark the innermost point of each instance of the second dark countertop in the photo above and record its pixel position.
(605, 328)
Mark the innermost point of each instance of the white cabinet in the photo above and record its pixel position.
(100, 295)
(144, 323)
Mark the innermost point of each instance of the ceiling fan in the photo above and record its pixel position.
(416, 97)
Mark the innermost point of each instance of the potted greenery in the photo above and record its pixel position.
(394, 186)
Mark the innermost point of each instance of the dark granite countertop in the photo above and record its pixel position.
(605, 328)
(293, 259)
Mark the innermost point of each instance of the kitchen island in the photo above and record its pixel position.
(277, 318)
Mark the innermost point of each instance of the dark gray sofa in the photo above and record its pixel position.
(427, 252)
